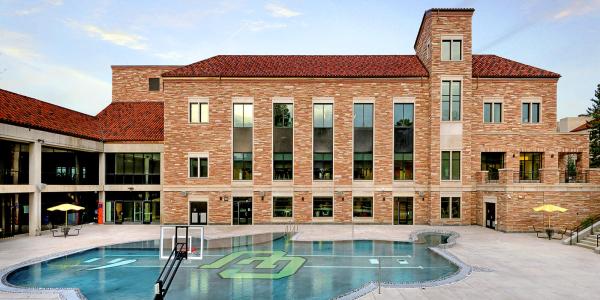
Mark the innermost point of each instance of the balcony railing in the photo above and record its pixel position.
(528, 177)
(14, 177)
(133, 178)
(574, 177)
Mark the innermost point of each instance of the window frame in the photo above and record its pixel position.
(322, 101)
(493, 103)
(150, 79)
(451, 169)
(282, 101)
(354, 198)
(200, 101)
(530, 102)
(451, 80)
(403, 100)
(273, 206)
(199, 157)
(313, 208)
(450, 206)
(451, 39)
(362, 102)
(244, 161)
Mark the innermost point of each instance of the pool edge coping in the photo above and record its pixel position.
(464, 270)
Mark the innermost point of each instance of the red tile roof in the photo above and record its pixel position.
(120, 121)
(132, 121)
(33, 113)
(493, 66)
(348, 66)
(582, 127)
(323, 66)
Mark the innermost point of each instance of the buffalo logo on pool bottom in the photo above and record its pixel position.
(257, 265)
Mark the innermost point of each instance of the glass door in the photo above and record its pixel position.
(242, 210)
(119, 212)
(198, 213)
(147, 212)
(137, 211)
(403, 210)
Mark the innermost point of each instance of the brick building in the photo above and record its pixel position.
(441, 137)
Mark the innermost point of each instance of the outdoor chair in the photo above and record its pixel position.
(540, 231)
(74, 231)
(561, 232)
(57, 232)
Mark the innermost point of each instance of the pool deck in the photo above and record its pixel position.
(506, 265)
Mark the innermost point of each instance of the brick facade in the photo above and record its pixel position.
(513, 199)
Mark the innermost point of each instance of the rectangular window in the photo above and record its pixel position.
(492, 112)
(242, 166)
(451, 94)
(363, 141)
(132, 168)
(242, 115)
(403, 141)
(323, 207)
(530, 112)
(362, 207)
(450, 207)
(154, 84)
(198, 112)
(492, 162)
(451, 50)
(283, 166)
(282, 207)
(323, 141)
(450, 165)
(198, 167)
(283, 141)
(283, 115)
(530, 164)
(242, 141)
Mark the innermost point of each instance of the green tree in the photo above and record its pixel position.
(594, 123)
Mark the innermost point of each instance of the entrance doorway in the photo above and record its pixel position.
(198, 213)
(242, 211)
(490, 215)
(403, 210)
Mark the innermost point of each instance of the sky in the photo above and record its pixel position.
(61, 51)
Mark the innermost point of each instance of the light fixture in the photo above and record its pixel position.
(130, 189)
(262, 195)
(183, 193)
(225, 198)
(340, 194)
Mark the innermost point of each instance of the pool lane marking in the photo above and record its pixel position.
(361, 267)
(295, 254)
(117, 264)
(116, 260)
(91, 260)
(305, 266)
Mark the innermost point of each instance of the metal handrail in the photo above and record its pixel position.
(179, 253)
(577, 229)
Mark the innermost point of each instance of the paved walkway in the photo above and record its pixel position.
(511, 266)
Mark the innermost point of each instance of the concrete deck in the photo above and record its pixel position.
(507, 265)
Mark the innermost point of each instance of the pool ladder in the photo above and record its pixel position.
(178, 254)
(291, 228)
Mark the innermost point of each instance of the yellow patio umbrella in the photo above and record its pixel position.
(549, 208)
(65, 207)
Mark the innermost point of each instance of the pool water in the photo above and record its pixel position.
(276, 269)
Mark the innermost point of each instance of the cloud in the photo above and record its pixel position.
(261, 25)
(38, 7)
(170, 55)
(280, 11)
(132, 41)
(17, 45)
(24, 70)
(577, 8)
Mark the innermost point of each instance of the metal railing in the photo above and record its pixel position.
(527, 177)
(178, 254)
(578, 177)
(580, 227)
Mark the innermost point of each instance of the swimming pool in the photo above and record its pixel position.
(244, 268)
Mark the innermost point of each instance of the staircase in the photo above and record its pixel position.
(589, 242)
(588, 238)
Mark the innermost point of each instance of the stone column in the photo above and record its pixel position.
(35, 179)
